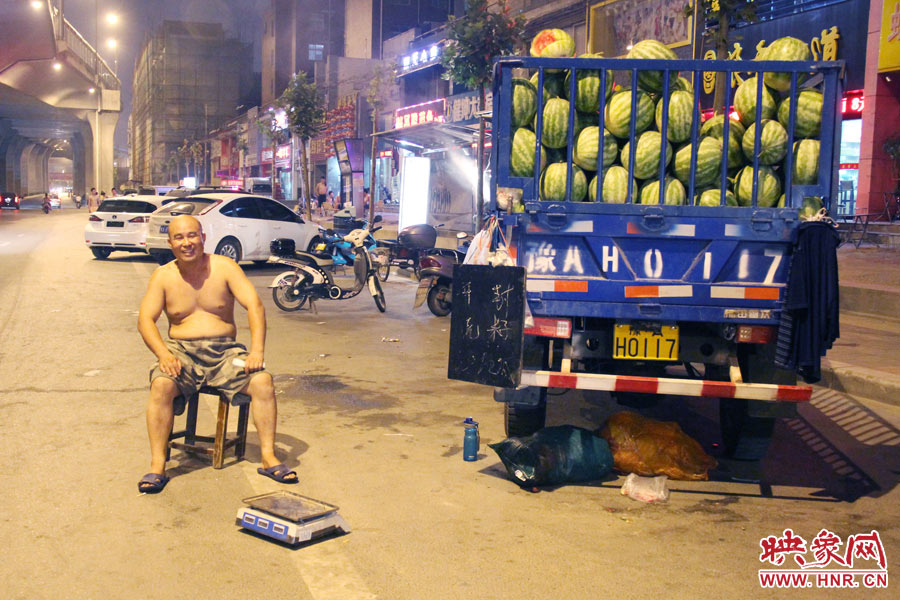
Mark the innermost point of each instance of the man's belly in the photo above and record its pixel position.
(202, 325)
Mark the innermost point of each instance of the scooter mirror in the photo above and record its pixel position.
(377, 219)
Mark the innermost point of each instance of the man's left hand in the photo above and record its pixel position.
(254, 362)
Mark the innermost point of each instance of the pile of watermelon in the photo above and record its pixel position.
(648, 139)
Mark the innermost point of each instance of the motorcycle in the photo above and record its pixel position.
(436, 282)
(77, 200)
(45, 206)
(406, 251)
(310, 275)
(339, 248)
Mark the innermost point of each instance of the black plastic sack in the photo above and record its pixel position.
(555, 455)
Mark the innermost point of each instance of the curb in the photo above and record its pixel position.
(870, 301)
(860, 381)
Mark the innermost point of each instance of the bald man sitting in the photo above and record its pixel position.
(197, 290)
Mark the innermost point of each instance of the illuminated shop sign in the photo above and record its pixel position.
(420, 58)
(282, 153)
(419, 114)
(232, 183)
(852, 104)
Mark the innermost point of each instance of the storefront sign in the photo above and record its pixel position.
(235, 183)
(889, 51)
(852, 104)
(420, 58)
(464, 107)
(850, 165)
(282, 154)
(419, 114)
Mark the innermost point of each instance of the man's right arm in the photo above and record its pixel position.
(151, 308)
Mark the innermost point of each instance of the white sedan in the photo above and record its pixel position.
(237, 225)
(121, 223)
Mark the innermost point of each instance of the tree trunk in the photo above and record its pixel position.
(371, 215)
(304, 173)
(721, 54)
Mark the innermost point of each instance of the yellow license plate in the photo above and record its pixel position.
(629, 343)
(320, 247)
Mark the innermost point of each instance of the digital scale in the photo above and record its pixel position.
(289, 517)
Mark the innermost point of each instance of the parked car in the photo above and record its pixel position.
(121, 224)
(9, 200)
(236, 225)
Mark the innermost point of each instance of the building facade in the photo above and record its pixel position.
(188, 79)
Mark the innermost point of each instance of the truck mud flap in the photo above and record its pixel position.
(765, 392)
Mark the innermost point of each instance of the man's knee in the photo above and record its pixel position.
(261, 386)
(163, 390)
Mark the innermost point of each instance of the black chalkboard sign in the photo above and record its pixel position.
(486, 325)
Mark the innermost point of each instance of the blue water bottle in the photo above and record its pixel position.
(471, 440)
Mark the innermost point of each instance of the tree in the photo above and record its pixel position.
(184, 151)
(197, 151)
(268, 125)
(382, 79)
(305, 110)
(725, 12)
(474, 41)
(172, 165)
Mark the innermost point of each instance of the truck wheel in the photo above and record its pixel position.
(522, 419)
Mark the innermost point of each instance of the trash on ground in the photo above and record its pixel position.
(554, 455)
(92, 373)
(648, 447)
(323, 355)
(646, 489)
(387, 339)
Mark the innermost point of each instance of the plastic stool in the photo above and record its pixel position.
(200, 444)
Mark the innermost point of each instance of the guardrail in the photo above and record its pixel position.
(83, 50)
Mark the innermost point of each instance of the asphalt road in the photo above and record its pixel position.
(373, 426)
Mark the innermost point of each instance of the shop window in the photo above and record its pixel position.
(316, 52)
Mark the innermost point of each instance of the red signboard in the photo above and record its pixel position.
(419, 114)
(852, 104)
(850, 165)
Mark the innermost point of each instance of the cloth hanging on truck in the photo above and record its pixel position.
(810, 320)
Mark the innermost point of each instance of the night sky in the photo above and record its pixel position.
(138, 18)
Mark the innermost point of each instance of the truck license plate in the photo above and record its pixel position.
(629, 343)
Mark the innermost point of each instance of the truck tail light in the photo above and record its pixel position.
(550, 327)
(755, 334)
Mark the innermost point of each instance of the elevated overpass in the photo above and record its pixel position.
(58, 98)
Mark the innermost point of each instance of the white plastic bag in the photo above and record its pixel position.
(646, 489)
(479, 252)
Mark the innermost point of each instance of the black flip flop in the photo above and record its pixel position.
(279, 473)
(152, 483)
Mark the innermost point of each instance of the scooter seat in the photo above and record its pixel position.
(321, 259)
(386, 243)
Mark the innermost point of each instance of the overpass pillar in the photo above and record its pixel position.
(103, 129)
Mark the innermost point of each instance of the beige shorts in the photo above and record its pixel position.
(207, 362)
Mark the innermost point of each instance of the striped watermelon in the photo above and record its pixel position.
(745, 101)
(674, 192)
(768, 190)
(552, 43)
(709, 163)
(772, 142)
(810, 207)
(806, 162)
(646, 155)
(587, 87)
(556, 123)
(681, 115)
(554, 83)
(553, 183)
(683, 84)
(808, 121)
(521, 159)
(715, 127)
(615, 186)
(786, 48)
(713, 197)
(651, 80)
(587, 145)
(618, 113)
(524, 105)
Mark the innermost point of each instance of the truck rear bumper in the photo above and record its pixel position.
(668, 385)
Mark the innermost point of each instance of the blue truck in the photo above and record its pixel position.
(649, 299)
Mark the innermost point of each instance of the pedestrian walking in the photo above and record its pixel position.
(321, 191)
(93, 200)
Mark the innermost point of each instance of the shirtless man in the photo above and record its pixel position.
(197, 291)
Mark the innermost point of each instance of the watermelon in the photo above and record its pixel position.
(587, 145)
(772, 142)
(553, 183)
(618, 113)
(674, 192)
(681, 115)
(651, 81)
(745, 101)
(521, 160)
(769, 187)
(556, 123)
(713, 197)
(806, 162)
(615, 185)
(647, 155)
(715, 127)
(555, 155)
(709, 163)
(524, 105)
(553, 43)
(808, 121)
(683, 84)
(786, 48)
(780, 202)
(587, 87)
(810, 207)
(554, 84)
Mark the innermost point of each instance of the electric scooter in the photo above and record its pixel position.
(436, 277)
(310, 275)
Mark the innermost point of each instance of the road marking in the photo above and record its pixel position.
(324, 568)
